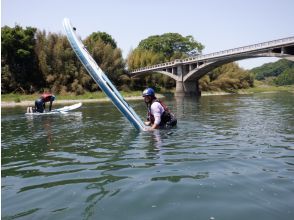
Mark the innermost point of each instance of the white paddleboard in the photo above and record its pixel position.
(100, 78)
(64, 109)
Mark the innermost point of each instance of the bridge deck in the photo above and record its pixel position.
(240, 51)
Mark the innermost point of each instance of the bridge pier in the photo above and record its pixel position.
(188, 88)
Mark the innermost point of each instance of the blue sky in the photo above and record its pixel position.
(217, 24)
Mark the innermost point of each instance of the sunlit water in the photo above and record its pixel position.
(230, 157)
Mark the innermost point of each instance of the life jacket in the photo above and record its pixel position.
(167, 118)
(46, 97)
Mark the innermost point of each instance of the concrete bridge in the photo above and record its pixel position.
(188, 71)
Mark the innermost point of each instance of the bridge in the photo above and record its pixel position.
(188, 71)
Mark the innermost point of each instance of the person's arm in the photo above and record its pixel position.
(50, 106)
(157, 116)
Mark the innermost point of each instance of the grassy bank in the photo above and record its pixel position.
(14, 97)
(264, 87)
(258, 88)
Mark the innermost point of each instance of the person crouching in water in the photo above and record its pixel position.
(40, 103)
(158, 115)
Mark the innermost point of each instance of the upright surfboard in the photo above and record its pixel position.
(100, 78)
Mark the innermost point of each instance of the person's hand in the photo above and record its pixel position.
(148, 129)
(152, 128)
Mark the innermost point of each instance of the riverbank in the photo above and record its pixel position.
(12, 100)
(66, 101)
(26, 102)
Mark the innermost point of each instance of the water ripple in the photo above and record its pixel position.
(229, 157)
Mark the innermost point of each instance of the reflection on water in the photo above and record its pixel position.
(229, 157)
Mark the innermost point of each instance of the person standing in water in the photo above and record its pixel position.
(158, 115)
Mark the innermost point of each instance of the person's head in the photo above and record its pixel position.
(52, 98)
(148, 95)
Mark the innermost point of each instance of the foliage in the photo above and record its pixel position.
(141, 58)
(158, 49)
(282, 69)
(229, 77)
(34, 61)
(18, 60)
(103, 49)
(162, 48)
(169, 44)
(104, 37)
(286, 78)
(58, 64)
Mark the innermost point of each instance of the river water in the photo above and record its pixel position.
(230, 157)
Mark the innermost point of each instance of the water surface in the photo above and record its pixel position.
(230, 157)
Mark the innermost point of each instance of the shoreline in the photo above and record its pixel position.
(27, 103)
(68, 101)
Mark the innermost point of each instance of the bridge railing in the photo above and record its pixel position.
(238, 50)
(244, 49)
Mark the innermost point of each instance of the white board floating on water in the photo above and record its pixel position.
(100, 78)
(64, 109)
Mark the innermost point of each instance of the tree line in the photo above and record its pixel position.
(35, 61)
(278, 73)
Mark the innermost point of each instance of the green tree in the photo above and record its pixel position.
(162, 48)
(171, 45)
(228, 77)
(106, 38)
(18, 59)
(60, 68)
(272, 69)
(103, 49)
(286, 78)
(35, 61)
(158, 49)
(141, 58)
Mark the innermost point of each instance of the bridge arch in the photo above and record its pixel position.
(207, 67)
(171, 75)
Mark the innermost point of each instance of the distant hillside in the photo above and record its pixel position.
(280, 72)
